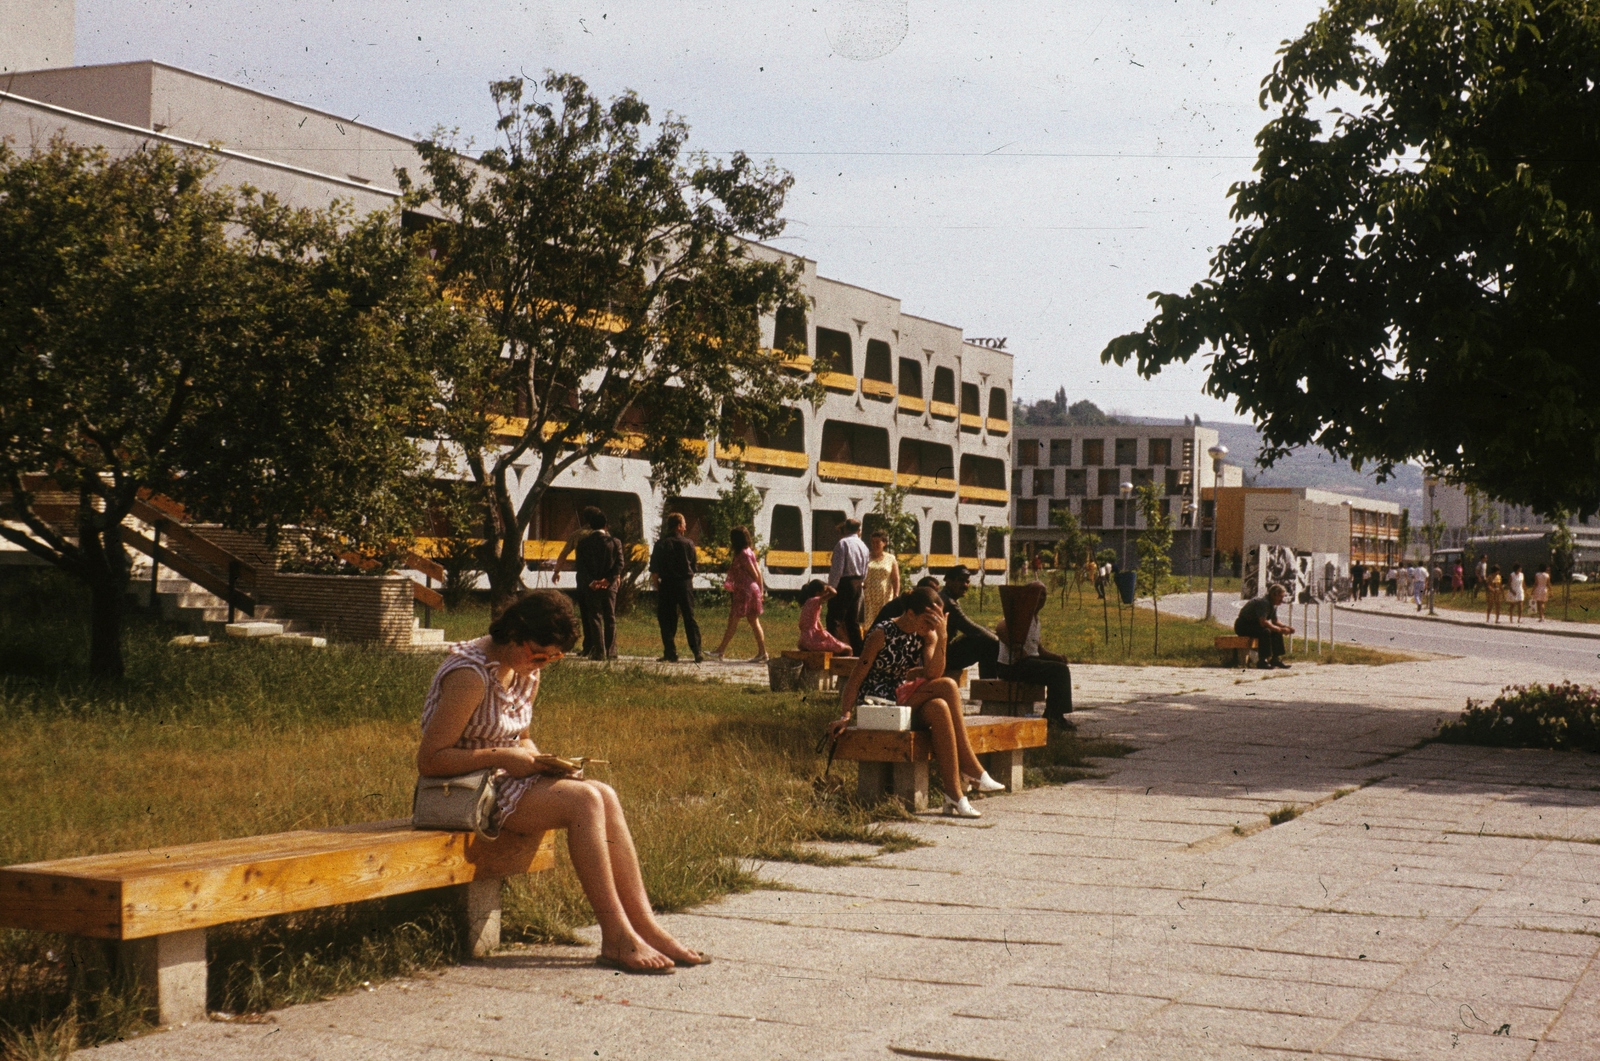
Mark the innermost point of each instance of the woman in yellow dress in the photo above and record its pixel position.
(882, 584)
(1495, 593)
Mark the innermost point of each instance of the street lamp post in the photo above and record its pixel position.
(1428, 484)
(1127, 491)
(1217, 453)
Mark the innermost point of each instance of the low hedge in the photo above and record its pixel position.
(1564, 716)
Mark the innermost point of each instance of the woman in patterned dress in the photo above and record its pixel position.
(895, 658)
(882, 583)
(744, 586)
(477, 715)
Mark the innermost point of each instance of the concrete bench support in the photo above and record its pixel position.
(815, 675)
(907, 782)
(480, 902)
(171, 970)
(1006, 768)
(899, 762)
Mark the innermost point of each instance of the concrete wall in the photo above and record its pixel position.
(36, 33)
(372, 610)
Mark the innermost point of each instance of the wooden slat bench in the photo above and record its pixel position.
(842, 667)
(816, 664)
(158, 903)
(1241, 647)
(1006, 698)
(897, 762)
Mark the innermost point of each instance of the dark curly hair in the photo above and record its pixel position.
(537, 616)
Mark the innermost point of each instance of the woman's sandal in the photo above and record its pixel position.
(606, 961)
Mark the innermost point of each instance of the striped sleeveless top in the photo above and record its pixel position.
(502, 715)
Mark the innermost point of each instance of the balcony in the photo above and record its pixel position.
(763, 456)
(789, 559)
(971, 422)
(998, 426)
(911, 562)
(938, 560)
(926, 484)
(943, 410)
(542, 548)
(995, 563)
(822, 559)
(878, 390)
(912, 406)
(855, 473)
(837, 381)
(799, 363)
(985, 495)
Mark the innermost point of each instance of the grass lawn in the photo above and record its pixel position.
(1583, 606)
(241, 739)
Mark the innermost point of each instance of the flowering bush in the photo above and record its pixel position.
(1564, 716)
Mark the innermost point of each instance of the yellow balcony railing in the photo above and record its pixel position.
(943, 410)
(798, 363)
(912, 405)
(542, 548)
(877, 388)
(936, 560)
(774, 458)
(998, 426)
(995, 563)
(837, 381)
(969, 422)
(985, 494)
(822, 558)
(911, 562)
(860, 473)
(788, 558)
(926, 483)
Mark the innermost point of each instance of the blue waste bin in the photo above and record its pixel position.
(1127, 583)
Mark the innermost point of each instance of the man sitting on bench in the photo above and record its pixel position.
(1259, 619)
(1025, 660)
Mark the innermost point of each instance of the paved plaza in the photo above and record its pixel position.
(1430, 901)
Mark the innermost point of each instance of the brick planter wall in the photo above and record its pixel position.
(371, 609)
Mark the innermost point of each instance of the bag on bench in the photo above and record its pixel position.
(462, 804)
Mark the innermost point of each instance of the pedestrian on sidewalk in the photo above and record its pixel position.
(1541, 590)
(1482, 578)
(1358, 581)
(1259, 619)
(1456, 579)
(599, 573)
(745, 589)
(1392, 579)
(672, 567)
(1493, 587)
(847, 569)
(1515, 593)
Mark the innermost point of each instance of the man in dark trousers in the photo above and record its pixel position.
(969, 642)
(672, 574)
(599, 573)
(1259, 619)
(846, 572)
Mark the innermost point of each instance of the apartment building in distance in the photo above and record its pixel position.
(909, 401)
(1083, 469)
(1359, 530)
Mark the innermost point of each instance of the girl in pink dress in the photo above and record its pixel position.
(813, 638)
(744, 585)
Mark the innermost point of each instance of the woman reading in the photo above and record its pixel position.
(477, 716)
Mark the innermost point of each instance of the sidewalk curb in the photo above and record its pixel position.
(1529, 628)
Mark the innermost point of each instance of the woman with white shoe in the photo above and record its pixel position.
(896, 658)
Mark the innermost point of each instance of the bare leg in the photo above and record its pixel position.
(630, 882)
(727, 637)
(946, 690)
(761, 635)
(936, 713)
(580, 809)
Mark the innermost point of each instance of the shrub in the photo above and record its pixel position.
(1565, 716)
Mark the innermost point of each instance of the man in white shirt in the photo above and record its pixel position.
(1035, 665)
(846, 572)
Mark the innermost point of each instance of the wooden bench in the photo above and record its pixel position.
(842, 667)
(157, 903)
(1241, 647)
(816, 664)
(1006, 698)
(897, 762)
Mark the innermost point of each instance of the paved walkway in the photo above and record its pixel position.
(1440, 909)
(1407, 609)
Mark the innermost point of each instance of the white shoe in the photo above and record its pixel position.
(985, 783)
(960, 808)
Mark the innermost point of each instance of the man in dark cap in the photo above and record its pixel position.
(969, 642)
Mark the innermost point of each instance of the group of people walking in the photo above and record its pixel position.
(1513, 593)
(1509, 593)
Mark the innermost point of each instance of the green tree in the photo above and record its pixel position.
(1155, 551)
(1417, 275)
(615, 275)
(889, 515)
(737, 505)
(259, 365)
(1074, 546)
(1404, 534)
(1562, 548)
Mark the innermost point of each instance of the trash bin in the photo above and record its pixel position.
(1127, 585)
(785, 675)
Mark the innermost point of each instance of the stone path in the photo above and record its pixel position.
(1406, 609)
(1427, 902)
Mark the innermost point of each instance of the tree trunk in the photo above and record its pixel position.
(1155, 606)
(105, 628)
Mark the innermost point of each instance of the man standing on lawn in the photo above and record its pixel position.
(845, 574)
(1259, 619)
(599, 573)
(672, 566)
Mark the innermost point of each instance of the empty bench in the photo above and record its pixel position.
(156, 904)
(1006, 698)
(1241, 647)
(897, 761)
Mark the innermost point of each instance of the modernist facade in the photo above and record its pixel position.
(1359, 530)
(1082, 469)
(908, 401)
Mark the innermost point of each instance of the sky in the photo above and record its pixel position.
(1019, 170)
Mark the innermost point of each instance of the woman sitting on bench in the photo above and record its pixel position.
(896, 655)
(813, 638)
(477, 715)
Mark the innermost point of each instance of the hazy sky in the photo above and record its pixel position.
(1013, 169)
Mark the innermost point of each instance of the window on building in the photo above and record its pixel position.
(1123, 513)
(996, 544)
(930, 459)
(1028, 513)
(969, 541)
(999, 408)
(1142, 477)
(1077, 482)
(825, 530)
(987, 472)
(880, 363)
(1127, 450)
(939, 543)
(1165, 507)
(970, 400)
(1060, 451)
(944, 386)
(789, 331)
(1027, 452)
(1177, 481)
(1108, 483)
(833, 352)
(1094, 513)
(847, 443)
(1094, 451)
(1058, 504)
(557, 518)
(1160, 451)
(1044, 482)
(911, 377)
(787, 534)
(1016, 480)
